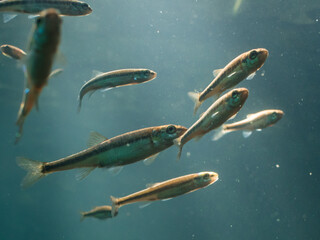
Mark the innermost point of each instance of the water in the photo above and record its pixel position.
(269, 183)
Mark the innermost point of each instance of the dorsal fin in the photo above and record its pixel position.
(149, 185)
(95, 138)
(216, 72)
(96, 73)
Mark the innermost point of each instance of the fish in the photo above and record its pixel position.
(255, 121)
(100, 212)
(226, 107)
(143, 144)
(167, 189)
(12, 52)
(243, 66)
(43, 46)
(117, 78)
(65, 7)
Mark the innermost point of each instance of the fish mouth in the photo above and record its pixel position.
(244, 93)
(264, 53)
(214, 177)
(280, 113)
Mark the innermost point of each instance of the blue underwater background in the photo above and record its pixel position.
(268, 184)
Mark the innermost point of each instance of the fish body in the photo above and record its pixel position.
(256, 121)
(45, 39)
(117, 78)
(101, 212)
(168, 189)
(237, 70)
(117, 151)
(12, 52)
(220, 111)
(65, 7)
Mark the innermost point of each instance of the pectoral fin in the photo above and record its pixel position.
(246, 134)
(251, 76)
(150, 159)
(7, 17)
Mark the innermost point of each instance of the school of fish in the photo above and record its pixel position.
(138, 145)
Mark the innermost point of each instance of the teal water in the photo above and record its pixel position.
(269, 183)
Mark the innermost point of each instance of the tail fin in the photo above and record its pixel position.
(80, 102)
(115, 206)
(177, 142)
(220, 132)
(34, 171)
(82, 216)
(195, 97)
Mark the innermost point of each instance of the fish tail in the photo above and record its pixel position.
(195, 98)
(219, 133)
(82, 216)
(80, 103)
(34, 171)
(115, 206)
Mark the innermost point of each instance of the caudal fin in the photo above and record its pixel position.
(82, 216)
(34, 171)
(80, 102)
(115, 206)
(219, 133)
(195, 98)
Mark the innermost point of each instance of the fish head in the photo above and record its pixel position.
(144, 75)
(274, 116)
(237, 97)
(205, 178)
(254, 59)
(47, 27)
(82, 8)
(167, 133)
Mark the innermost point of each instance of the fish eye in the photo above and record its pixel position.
(235, 94)
(206, 176)
(171, 129)
(38, 20)
(253, 54)
(86, 5)
(274, 116)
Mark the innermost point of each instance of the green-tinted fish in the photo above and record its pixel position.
(117, 78)
(118, 151)
(167, 189)
(65, 7)
(101, 212)
(243, 66)
(45, 39)
(220, 111)
(255, 121)
(12, 52)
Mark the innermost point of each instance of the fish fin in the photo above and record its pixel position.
(148, 161)
(32, 16)
(55, 72)
(96, 73)
(195, 98)
(197, 138)
(149, 185)
(246, 134)
(219, 133)
(144, 205)
(60, 58)
(166, 199)
(251, 76)
(106, 89)
(250, 115)
(115, 206)
(84, 172)
(33, 168)
(95, 138)
(115, 170)
(233, 116)
(259, 130)
(8, 17)
(216, 72)
(82, 216)
(90, 93)
(177, 142)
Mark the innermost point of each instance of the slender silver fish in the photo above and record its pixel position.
(220, 111)
(256, 121)
(43, 45)
(65, 7)
(118, 151)
(167, 189)
(101, 212)
(12, 52)
(243, 66)
(117, 78)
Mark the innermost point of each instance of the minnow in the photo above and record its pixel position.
(256, 121)
(101, 212)
(243, 66)
(65, 7)
(167, 189)
(118, 151)
(117, 78)
(12, 52)
(45, 39)
(226, 107)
